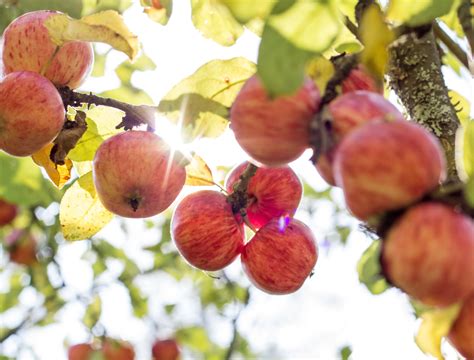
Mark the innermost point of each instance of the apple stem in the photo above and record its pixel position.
(246, 220)
(134, 203)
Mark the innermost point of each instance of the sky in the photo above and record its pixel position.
(331, 310)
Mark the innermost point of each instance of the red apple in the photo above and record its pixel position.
(273, 131)
(384, 166)
(349, 112)
(205, 230)
(80, 352)
(359, 79)
(429, 254)
(280, 256)
(136, 175)
(165, 350)
(21, 247)
(8, 212)
(273, 192)
(117, 350)
(461, 334)
(28, 46)
(31, 113)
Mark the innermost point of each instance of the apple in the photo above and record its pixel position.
(429, 254)
(28, 46)
(8, 212)
(273, 131)
(280, 256)
(205, 230)
(21, 247)
(461, 335)
(31, 113)
(272, 192)
(117, 350)
(80, 352)
(165, 350)
(359, 79)
(136, 175)
(385, 166)
(349, 112)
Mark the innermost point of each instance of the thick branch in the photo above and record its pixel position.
(465, 18)
(415, 75)
(455, 49)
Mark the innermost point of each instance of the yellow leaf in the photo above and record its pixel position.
(321, 71)
(462, 105)
(435, 325)
(59, 174)
(106, 26)
(198, 173)
(81, 214)
(376, 36)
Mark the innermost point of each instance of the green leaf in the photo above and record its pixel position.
(160, 12)
(81, 213)
(99, 64)
(126, 69)
(21, 182)
(93, 6)
(10, 298)
(93, 312)
(469, 192)
(139, 301)
(129, 94)
(101, 123)
(345, 352)
(200, 102)
(246, 10)
(418, 12)
(370, 271)
(281, 65)
(215, 21)
(194, 338)
(452, 20)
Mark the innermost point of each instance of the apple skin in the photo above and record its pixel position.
(349, 112)
(31, 113)
(273, 192)
(385, 166)
(117, 350)
(21, 247)
(165, 350)
(359, 79)
(273, 132)
(206, 232)
(429, 254)
(8, 212)
(278, 259)
(133, 166)
(80, 352)
(27, 46)
(461, 335)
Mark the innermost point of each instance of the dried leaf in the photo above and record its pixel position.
(59, 174)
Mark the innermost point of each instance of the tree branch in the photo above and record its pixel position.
(457, 51)
(465, 18)
(415, 75)
(235, 331)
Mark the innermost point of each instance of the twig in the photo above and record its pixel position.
(352, 27)
(465, 18)
(457, 51)
(235, 332)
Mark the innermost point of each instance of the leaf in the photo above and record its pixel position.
(59, 174)
(10, 298)
(435, 325)
(345, 352)
(469, 192)
(370, 271)
(200, 102)
(129, 94)
(106, 26)
(158, 10)
(246, 10)
(376, 36)
(93, 6)
(451, 19)
(198, 173)
(321, 71)
(417, 12)
(195, 338)
(101, 123)
(465, 150)
(92, 315)
(126, 69)
(81, 214)
(462, 105)
(139, 301)
(215, 21)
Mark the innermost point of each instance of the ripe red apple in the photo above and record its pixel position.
(165, 350)
(21, 247)
(273, 192)
(117, 350)
(273, 131)
(384, 166)
(349, 112)
(359, 79)
(429, 254)
(136, 175)
(28, 46)
(205, 230)
(8, 212)
(31, 113)
(80, 352)
(280, 256)
(461, 334)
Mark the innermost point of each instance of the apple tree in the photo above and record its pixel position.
(356, 89)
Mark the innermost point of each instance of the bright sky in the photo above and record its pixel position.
(331, 310)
